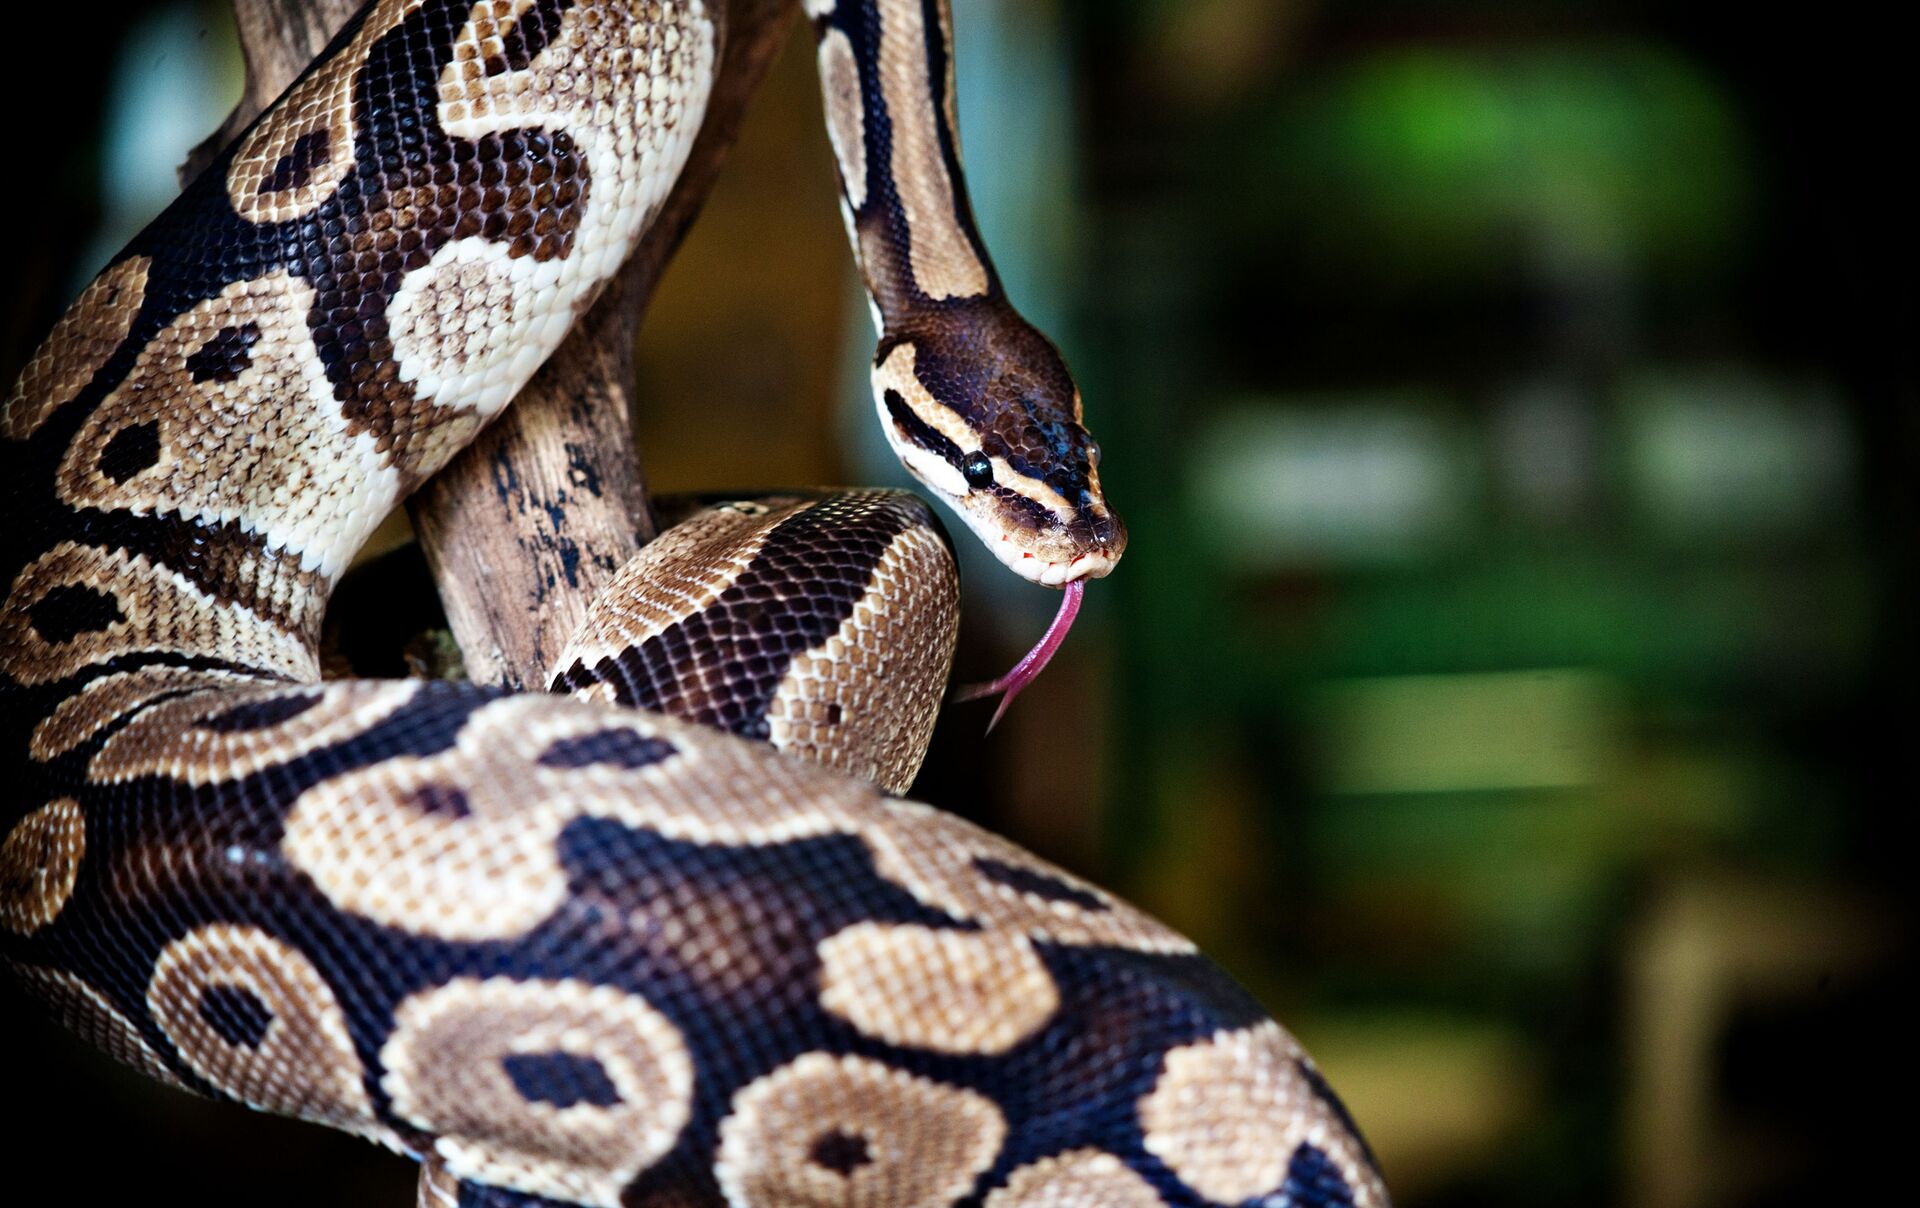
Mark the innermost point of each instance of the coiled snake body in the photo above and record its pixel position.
(571, 949)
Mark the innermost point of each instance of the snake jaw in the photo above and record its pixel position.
(1029, 668)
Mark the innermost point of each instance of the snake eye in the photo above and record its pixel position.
(978, 471)
(1093, 451)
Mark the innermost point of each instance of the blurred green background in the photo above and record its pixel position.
(1511, 675)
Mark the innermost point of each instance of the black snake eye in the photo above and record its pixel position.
(1093, 451)
(978, 471)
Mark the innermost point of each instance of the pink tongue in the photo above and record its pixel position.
(1029, 668)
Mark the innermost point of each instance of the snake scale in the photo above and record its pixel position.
(568, 948)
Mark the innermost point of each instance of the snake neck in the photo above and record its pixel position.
(886, 72)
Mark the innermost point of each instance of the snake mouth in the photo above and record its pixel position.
(1092, 565)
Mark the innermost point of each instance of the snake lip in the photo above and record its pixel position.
(1093, 564)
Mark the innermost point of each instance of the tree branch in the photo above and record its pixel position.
(534, 517)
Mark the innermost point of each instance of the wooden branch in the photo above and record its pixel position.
(534, 517)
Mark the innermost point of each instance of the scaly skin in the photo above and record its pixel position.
(577, 952)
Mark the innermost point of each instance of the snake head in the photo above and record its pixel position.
(980, 407)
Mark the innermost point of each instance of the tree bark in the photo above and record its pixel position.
(533, 518)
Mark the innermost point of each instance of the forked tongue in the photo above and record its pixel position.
(1029, 668)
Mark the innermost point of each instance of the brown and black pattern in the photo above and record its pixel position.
(287, 167)
(174, 316)
(79, 345)
(822, 625)
(411, 190)
(574, 951)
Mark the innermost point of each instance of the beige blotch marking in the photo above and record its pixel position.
(166, 740)
(714, 788)
(267, 448)
(678, 574)
(470, 325)
(81, 343)
(392, 843)
(1228, 1112)
(39, 862)
(290, 164)
(628, 82)
(85, 1011)
(932, 855)
(304, 1065)
(159, 609)
(446, 1073)
(439, 846)
(950, 991)
(106, 700)
(846, 115)
(865, 701)
(925, 1143)
(1079, 1178)
(943, 260)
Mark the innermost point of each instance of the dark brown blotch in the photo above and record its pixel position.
(841, 1152)
(261, 715)
(615, 748)
(1313, 1181)
(530, 35)
(130, 452)
(561, 1079)
(72, 609)
(1035, 884)
(236, 1014)
(310, 151)
(226, 356)
(442, 801)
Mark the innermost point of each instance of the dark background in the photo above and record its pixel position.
(1511, 677)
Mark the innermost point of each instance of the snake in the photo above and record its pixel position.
(666, 935)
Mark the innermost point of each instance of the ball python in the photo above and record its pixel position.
(567, 948)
